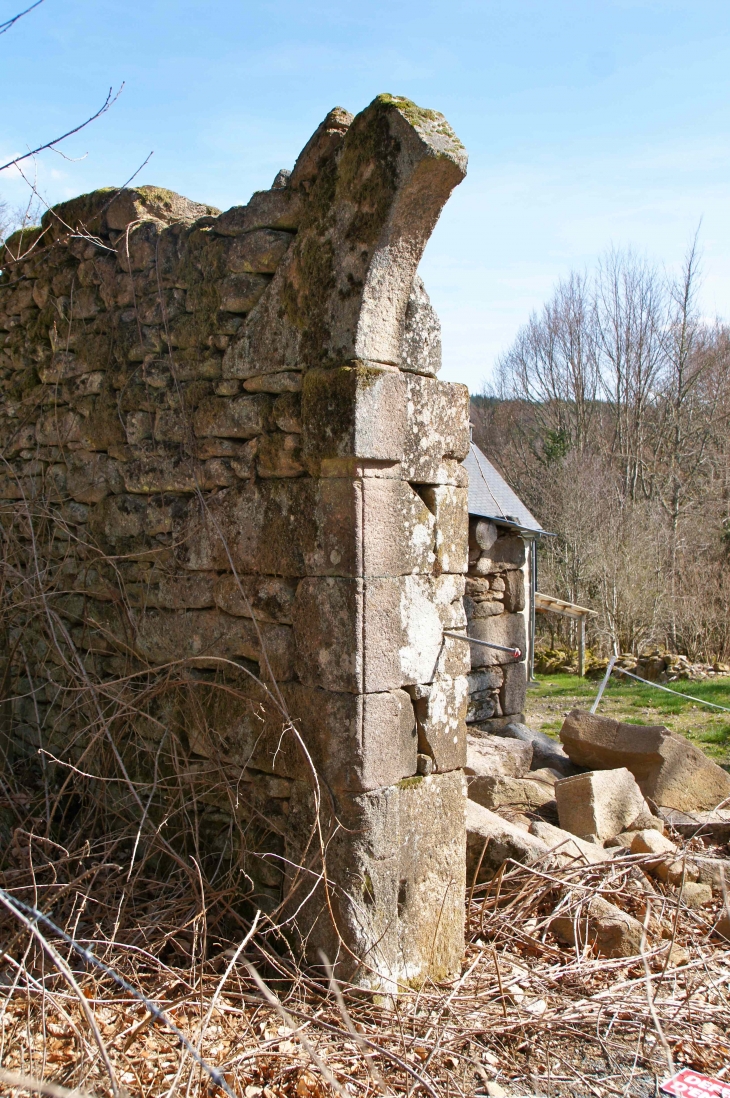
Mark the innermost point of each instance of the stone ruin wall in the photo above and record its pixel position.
(232, 426)
(497, 609)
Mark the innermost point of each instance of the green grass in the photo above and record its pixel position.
(554, 695)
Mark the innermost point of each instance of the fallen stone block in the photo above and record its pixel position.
(710, 826)
(610, 931)
(491, 755)
(496, 790)
(494, 841)
(668, 768)
(545, 752)
(566, 847)
(601, 804)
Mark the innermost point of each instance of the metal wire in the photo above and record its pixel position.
(484, 644)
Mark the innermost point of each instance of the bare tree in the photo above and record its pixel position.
(612, 419)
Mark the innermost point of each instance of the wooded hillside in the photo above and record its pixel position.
(610, 416)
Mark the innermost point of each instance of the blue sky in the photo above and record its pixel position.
(588, 124)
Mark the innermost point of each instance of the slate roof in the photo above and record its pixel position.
(490, 496)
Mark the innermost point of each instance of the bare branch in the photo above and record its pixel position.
(108, 102)
(11, 22)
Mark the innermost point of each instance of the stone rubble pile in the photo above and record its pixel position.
(615, 790)
(654, 665)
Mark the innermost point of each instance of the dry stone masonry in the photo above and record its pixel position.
(496, 609)
(231, 424)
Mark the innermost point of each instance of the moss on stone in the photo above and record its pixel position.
(18, 243)
(419, 116)
(410, 783)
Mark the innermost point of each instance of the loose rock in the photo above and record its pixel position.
(601, 804)
(668, 768)
(612, 932)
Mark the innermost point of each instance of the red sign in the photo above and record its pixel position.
(690, 1084)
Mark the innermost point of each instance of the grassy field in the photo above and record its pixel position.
(553, 696)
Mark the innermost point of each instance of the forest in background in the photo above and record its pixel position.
(610, 418)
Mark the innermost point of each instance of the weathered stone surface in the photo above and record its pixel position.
(437, 428)
(266, 598)
(207, 635)
(496, 791)
(279, 455)
(494, 841)
(290, 382)
(650, 841)
(353, 743)
(601, 804)
(483, 705)
(490, 756)
(611, 931)
(696, 895)
(507, 630)
(545, 751)
(131, 205)
(566, 847)
(514, 688)
(449, 507)
(356, 741)
(243, 417)
(665, 865)
(710, 826)
(514, 592)
(507, 552)
(342, 290)
(376, 634)
(483, 534)
(319, 149)
(396, 875)
(90, 478)
(440, 709)
(399, 531)
(421, 345)
(258, 252)
(714, 872)
(274, 209)
(668, 768)
(357, 411)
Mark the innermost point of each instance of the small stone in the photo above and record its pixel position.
(651, 842)
(494, 1090)
(696, 895)
(567, 847)
(485, 534)
(496, 791)
(289, 381)
(722, 926)
(424, 764)
(610, 930)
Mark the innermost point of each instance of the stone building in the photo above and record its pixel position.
(500, 596)
(235, 523)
